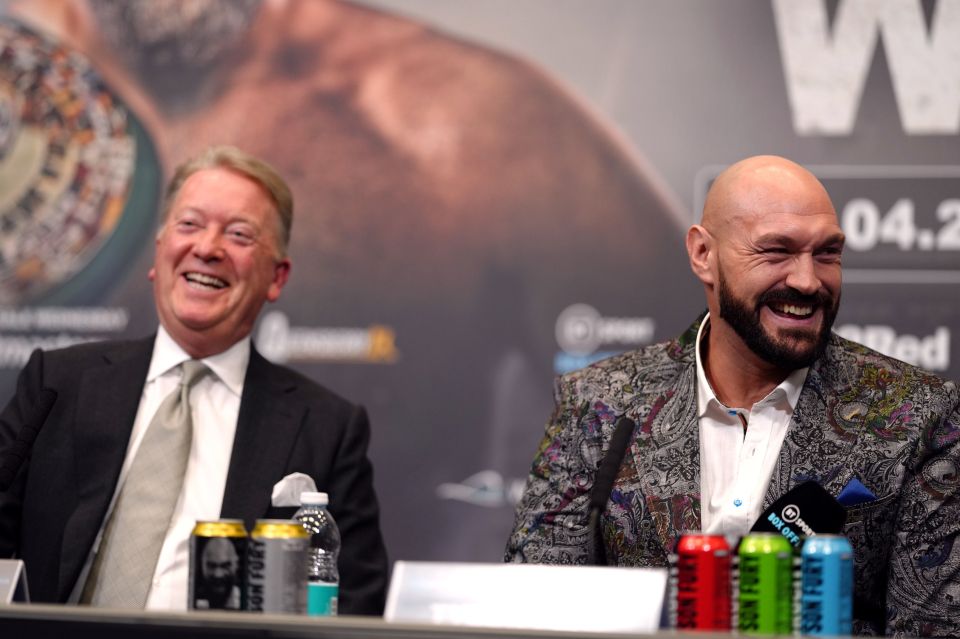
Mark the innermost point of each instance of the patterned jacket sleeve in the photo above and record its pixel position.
(923, 590)
(551, 523)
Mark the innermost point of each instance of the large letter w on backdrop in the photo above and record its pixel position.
(825, 72)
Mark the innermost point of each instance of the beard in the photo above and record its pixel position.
(795, 348)
(218, 590)
(174, 46)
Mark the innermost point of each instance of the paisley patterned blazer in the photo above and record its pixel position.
(860, 416)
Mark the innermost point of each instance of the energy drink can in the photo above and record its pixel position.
(765, 596)
(218, 553)
(277, 567)
(826, 593)
(703, 582)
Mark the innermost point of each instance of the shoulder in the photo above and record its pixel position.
(294, 385)
(87, 354)
(652, 369)
(858, 374)
(845, 362)
(474, 93)
(666, 357)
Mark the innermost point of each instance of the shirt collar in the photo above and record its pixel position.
(230, 366)
(789, 389)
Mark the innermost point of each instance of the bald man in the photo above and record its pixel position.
(220, 584)
(756, 397)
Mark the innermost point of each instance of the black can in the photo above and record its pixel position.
(218, 562)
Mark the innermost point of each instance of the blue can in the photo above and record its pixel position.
(826, 583)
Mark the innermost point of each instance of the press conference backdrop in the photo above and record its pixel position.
(488, 192)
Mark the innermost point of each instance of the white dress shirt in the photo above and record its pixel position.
(215, 405)
(736, 465)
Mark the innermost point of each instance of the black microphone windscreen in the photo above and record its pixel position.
(803, 511)
(610, 464)
(603, 482)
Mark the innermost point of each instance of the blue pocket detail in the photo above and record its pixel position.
(855, 493)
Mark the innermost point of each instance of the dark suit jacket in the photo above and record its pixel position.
(287, 423)
(860, 415)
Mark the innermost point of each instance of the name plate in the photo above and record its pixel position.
(13, 581)
(527, 596)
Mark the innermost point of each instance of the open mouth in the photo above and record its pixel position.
(792, 311)
(204, 281)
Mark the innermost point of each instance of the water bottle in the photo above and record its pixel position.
(323, 580)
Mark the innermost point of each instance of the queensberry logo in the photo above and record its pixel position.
(788, 522)
(280, 342)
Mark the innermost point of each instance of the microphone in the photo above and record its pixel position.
(606, 475)
(803, 511)
(19, 450)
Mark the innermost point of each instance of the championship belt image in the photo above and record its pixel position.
(79, 178)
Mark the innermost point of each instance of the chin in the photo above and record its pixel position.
(195, 321)
(199, 314)
(805, 352)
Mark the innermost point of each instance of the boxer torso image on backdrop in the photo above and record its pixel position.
(443, 188)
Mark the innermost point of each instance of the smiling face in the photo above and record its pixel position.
(218, 260)
(781, 325)
(219, 563)
(770, 262)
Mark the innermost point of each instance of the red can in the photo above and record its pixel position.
(703, 582)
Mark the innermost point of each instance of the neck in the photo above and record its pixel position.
(739, 377)
(199, 346)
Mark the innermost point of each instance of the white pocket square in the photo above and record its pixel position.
(286, 492)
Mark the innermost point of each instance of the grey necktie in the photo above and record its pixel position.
(123, 569)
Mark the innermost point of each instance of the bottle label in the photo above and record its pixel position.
(322, 598)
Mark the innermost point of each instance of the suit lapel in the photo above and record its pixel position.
(267, 428)
(815, 447)
(109, 396)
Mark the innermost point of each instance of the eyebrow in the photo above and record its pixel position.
(780, 238)
(235, 219)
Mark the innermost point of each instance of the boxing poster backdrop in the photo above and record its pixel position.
(487, 193)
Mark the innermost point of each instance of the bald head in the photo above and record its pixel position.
(761, 185)
(219, 561)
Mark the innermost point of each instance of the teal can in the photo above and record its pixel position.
(826, 586)
(765, 585)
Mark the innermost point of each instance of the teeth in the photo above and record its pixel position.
(791, 309)
(206, 280)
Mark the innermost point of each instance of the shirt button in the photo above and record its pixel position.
(738, 502)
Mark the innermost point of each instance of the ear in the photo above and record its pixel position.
(700, 248)
(281, 273)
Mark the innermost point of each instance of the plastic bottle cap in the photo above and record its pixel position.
(314, 499)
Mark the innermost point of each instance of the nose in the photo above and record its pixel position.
(803, 275)
(208, 245)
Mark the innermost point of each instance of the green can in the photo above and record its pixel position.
(765, 597)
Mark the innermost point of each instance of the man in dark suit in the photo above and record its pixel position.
(756, 397)
(220, 254)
